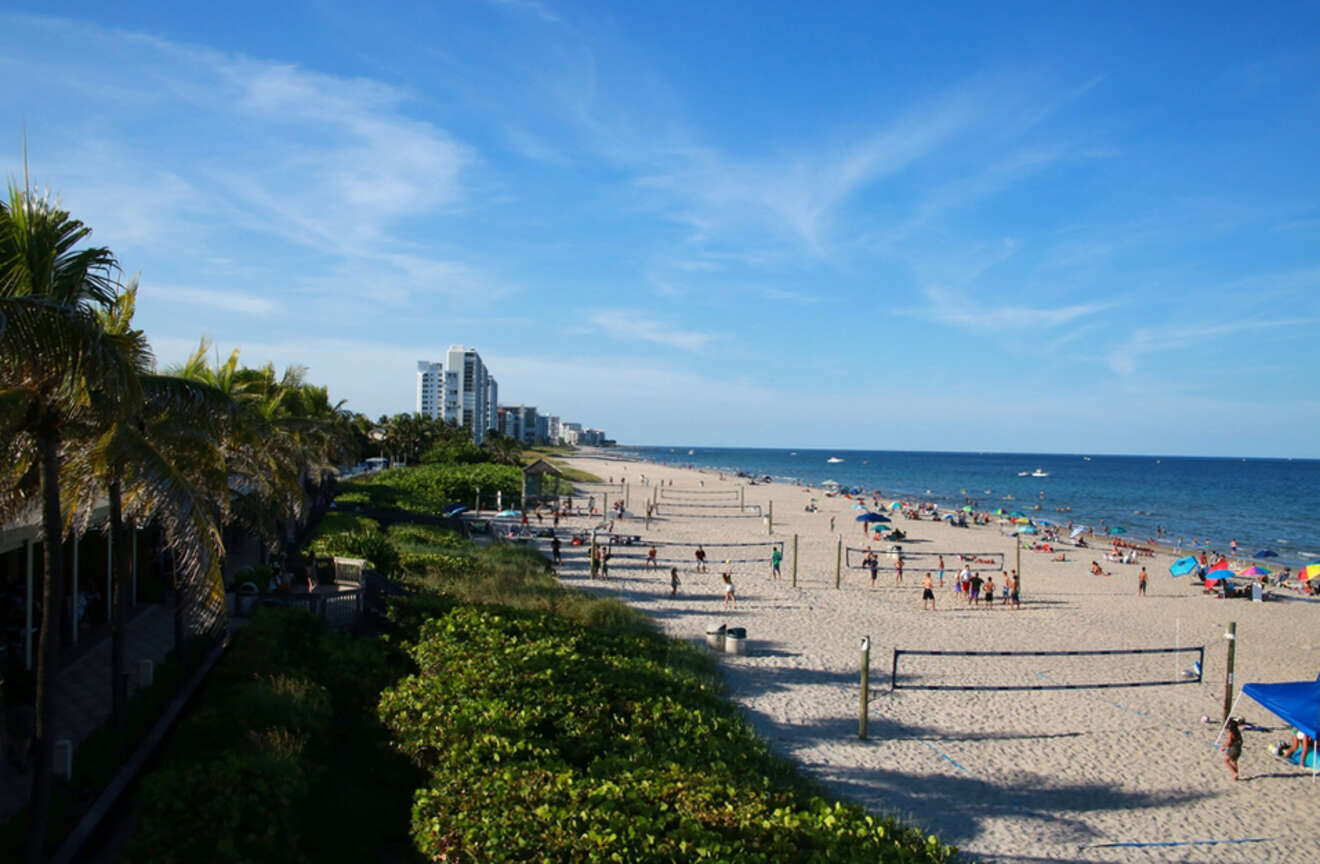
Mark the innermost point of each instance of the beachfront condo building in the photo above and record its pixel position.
(459, 391)
(430, 384)
(520, 422)
(492, 403)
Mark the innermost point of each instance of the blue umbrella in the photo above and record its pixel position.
(1026, 529)
(1118, 529)
(872, 517)
(1267, 553)
(1182, 566)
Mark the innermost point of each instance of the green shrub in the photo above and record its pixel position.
(374, 546)
(547, 739)
(352, 499)
(429, 489)
(341, 522)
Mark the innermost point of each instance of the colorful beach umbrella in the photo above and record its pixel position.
(1022, 520)
(896, 505)
(1182, 566)
(967, 508)
(998, 511)
(1025, 529)
(1253, 572)
(1310, 571)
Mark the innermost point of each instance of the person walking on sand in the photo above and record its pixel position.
(898, 569)
(729, 599)
(650, 558)
(874, 563)
(927, 593)
(554, 550)
(701, 559)
(1232, 748)
(776, 558)
(1013, 598)
(941, 569)
(831, 524)
(673, 582)
(1141, 583)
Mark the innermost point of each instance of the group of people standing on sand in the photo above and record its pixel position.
(980, 590)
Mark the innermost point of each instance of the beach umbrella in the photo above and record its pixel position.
(1025, 529)
(872, 517)
(1267, 553)
(859, 506)
(1021, 520)
(967, 508)
(1079, 531)
(896, 505)
(998, 511)
(1253, 572)
(1118, 529)
(1182, 566)
(947, 516)
(1215, 575)
(1310, 571)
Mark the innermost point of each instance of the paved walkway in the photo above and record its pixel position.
(82, 691)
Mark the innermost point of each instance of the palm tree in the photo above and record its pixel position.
(157, 458)
(53, 359)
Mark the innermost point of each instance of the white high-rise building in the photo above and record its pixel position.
(466, 389)
(430, 381)
(492, 404)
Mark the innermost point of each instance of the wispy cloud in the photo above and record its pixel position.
(954, 307)
(1146, 341)
(624, 324)
(224, 300)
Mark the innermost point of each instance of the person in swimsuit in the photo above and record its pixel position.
(650, 558)
(1141, 583)
(898, 570)
(873, 563)
(776, 558)
(1013, 598)
(988, 592)
(729, 599)
(701, 559)
(1232, 748)
(941, 569)
(927, 594)
(974, 595)
(673, 582)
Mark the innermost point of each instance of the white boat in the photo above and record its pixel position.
(689, 452)
(1039, 472)
(834, 459)
(1024, 473)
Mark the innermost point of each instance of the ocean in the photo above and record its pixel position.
(1264, 504)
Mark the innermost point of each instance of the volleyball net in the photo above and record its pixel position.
(1045, 670)
(675, 552)
(668, 493)
(856, 559)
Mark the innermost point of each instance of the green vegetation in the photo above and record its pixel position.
(553, 723)
(429, 489)
(283, 759)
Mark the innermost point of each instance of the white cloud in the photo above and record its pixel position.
(224, 300)
(626, 324)
(1145, 341)
(952, 307)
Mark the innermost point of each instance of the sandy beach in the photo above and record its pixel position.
(1119, 774)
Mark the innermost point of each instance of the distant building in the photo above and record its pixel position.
(553, 430)
(492, 403)
(569, 433)
(520, 422)
(430, 383)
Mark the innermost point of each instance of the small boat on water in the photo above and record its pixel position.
(690, 452)
(834, 460)
(1024, 473)
(1040, 472)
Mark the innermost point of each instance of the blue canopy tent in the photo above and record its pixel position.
(1293, 702)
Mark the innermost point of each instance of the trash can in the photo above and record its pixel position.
(735, 640)
(715, 637)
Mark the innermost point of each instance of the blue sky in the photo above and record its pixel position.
(1024, 227)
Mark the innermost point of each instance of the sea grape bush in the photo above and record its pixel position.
(429, 489)
(545, 739)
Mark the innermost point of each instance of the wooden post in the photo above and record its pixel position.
(592, 559)
(770, 519)
(742, 504)
(866, 681)
(605, 505)
(1231, 636)
(27, 616)
(75, 589)
(838, 562)
(626, 497)
(795, 560)
(109, 570)
(1019, 560)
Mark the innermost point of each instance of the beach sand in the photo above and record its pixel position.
(1054, 775)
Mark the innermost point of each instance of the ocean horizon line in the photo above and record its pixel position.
(1080, 454)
